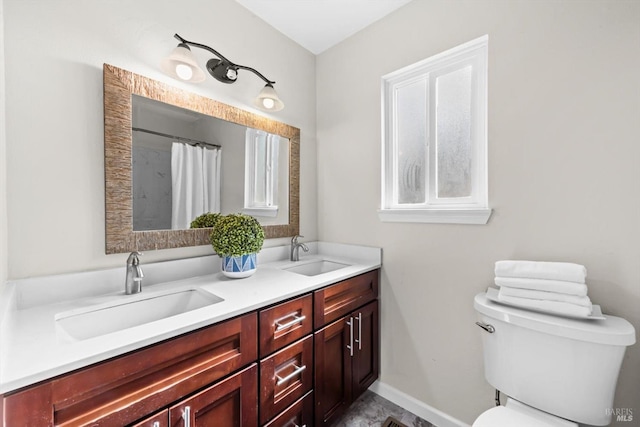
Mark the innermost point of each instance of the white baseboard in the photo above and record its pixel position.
(421, 409)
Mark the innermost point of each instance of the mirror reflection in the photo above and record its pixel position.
(186, 163)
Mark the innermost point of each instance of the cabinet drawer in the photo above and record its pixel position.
(161, 419)
(285, 323)
(127, 388)
(285, 377)
(338, 300)
(299, 414)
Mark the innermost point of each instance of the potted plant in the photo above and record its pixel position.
(206, 220)
(237, 238)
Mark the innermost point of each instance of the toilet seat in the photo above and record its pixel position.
(518, 414)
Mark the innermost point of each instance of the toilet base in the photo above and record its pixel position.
(515, 413)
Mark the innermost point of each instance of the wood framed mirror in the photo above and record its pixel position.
(119, 87)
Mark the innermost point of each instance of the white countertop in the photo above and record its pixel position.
(32, 348)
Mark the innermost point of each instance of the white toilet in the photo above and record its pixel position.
(554, 371)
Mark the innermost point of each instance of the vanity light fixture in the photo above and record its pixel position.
(181, 64)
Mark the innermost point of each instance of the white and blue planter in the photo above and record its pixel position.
(237, 267)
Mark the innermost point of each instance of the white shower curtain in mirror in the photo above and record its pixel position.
(195, 177)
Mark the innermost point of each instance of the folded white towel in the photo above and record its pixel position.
(542, 270)
(545, 296)
(569, 288)
(555, 307)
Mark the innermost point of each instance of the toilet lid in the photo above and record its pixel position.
(501, 416)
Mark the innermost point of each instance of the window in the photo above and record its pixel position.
(435, 139)
(261, 173)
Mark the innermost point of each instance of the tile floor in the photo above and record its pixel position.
(371, 410)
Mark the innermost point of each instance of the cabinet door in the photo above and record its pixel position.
(366, 348)
(333, 370)
(161, 419)
(299, 414)
(230, 403)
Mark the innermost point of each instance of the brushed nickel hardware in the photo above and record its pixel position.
(350, 346)
(296, 371)
(295, 248)
(186, 416)
(359, 340)
(487, 327)
(296, 319)
(133, 281)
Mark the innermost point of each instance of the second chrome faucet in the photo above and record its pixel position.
(295, 248)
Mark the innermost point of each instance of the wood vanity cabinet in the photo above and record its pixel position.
(347, 350)
(123, 390)
(300, 362)
(340, 361)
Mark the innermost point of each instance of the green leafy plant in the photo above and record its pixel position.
(206, 220)
(236, 235)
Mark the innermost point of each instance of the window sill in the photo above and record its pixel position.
(436, 216)
(271, 211)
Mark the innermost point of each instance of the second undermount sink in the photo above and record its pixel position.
(132, 311)
(314, 268)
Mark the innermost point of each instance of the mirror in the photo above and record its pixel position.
(182, 160)
(121, 87)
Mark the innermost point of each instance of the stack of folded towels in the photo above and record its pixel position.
(556, 287)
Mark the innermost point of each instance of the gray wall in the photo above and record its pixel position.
(564, 177)
(3, 159)
(55, 186)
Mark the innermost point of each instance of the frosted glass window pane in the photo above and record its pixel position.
(453, 133)
(411, 143)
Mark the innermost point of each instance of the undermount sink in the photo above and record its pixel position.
(134, 311)
(314, 268)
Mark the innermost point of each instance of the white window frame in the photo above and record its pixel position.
(268, 208)
(468, 210)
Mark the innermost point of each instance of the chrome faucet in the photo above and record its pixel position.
(295, 248)
(133, 282)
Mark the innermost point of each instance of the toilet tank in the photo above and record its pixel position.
(562, 366)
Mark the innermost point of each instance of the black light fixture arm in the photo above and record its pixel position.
(223, 59)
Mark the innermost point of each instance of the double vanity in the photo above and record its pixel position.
(294, 344)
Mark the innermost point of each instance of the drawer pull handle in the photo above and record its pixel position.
(296, 319)
(295, 372)
(156, 424)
